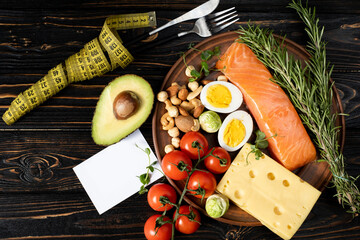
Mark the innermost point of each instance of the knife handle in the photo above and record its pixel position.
(151, 45)
(173, 22)
(138, 39)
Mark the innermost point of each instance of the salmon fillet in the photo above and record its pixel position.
(269, 105)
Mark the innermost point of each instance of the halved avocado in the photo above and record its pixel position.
(134, 100)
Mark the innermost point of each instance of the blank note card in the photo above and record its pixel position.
(110, 176)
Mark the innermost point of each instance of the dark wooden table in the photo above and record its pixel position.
(40, 196)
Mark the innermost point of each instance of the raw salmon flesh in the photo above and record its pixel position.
(269, 105)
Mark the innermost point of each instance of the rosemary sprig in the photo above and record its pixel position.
(310, 90)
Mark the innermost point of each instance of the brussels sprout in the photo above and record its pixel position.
(210, 121)
(217, 205)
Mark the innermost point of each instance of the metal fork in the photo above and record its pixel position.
(204, 27)
(213, 23)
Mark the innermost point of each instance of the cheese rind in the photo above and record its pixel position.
(278, 198)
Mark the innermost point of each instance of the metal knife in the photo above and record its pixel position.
(200, 11)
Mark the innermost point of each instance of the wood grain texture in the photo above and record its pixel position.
(40, 196)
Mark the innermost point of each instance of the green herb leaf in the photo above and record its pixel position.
(259, 135)
(216, 51)
(142, 190)
(262, 144)
(151, 168)
(195, 73)
(206, 55)
(205, 67)
(144, 178)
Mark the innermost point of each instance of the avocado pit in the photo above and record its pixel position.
(125, 105)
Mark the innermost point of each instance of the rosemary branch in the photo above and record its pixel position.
(310, 90)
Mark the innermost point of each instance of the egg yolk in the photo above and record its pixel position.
(234, 133)
(218, 96)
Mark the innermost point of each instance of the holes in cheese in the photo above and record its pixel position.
(238, 194)
(286, 183)
(278, 198)
(277, 210)
(271, 176)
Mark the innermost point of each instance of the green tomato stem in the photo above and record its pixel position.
(185, 190)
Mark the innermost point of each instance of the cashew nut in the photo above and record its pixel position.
(195, 102)
(169, 148)
(188, 106)
(193, 85)
(188, 70)
(175, 100)
(167, 104)
(222, 78)
(195, 93)
(175, 142)
(167, 122)
(196, 126)
(174, 132)
(162, 96)
(173, 111)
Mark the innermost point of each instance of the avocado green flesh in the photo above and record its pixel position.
(106, 129)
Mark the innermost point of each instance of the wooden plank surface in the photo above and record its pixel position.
(40, 196)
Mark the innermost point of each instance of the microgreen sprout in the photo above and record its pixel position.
(205, 56)
(261, 142)
(145, 177)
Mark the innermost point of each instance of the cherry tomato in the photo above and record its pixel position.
(163, 232)
(188, 144)
(183, 224)
(170, 164)
(159, 190)
(213, 164)
(205, 180)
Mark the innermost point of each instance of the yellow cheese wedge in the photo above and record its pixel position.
(278, 198)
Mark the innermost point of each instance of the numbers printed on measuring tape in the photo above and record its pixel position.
(88, 63)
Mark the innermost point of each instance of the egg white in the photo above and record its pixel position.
(246, 120)
(236, 97)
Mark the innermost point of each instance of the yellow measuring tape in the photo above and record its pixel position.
(88, 63)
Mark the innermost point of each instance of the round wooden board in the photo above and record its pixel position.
(317, 174)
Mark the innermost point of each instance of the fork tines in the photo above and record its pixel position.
(222, 19)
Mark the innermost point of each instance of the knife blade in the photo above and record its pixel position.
(200, 11)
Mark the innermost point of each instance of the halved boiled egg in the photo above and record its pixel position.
(222, 97)
(235, 130)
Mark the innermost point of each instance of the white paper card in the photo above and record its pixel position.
(110, 176)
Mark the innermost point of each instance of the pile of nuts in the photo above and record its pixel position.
(183, 110)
